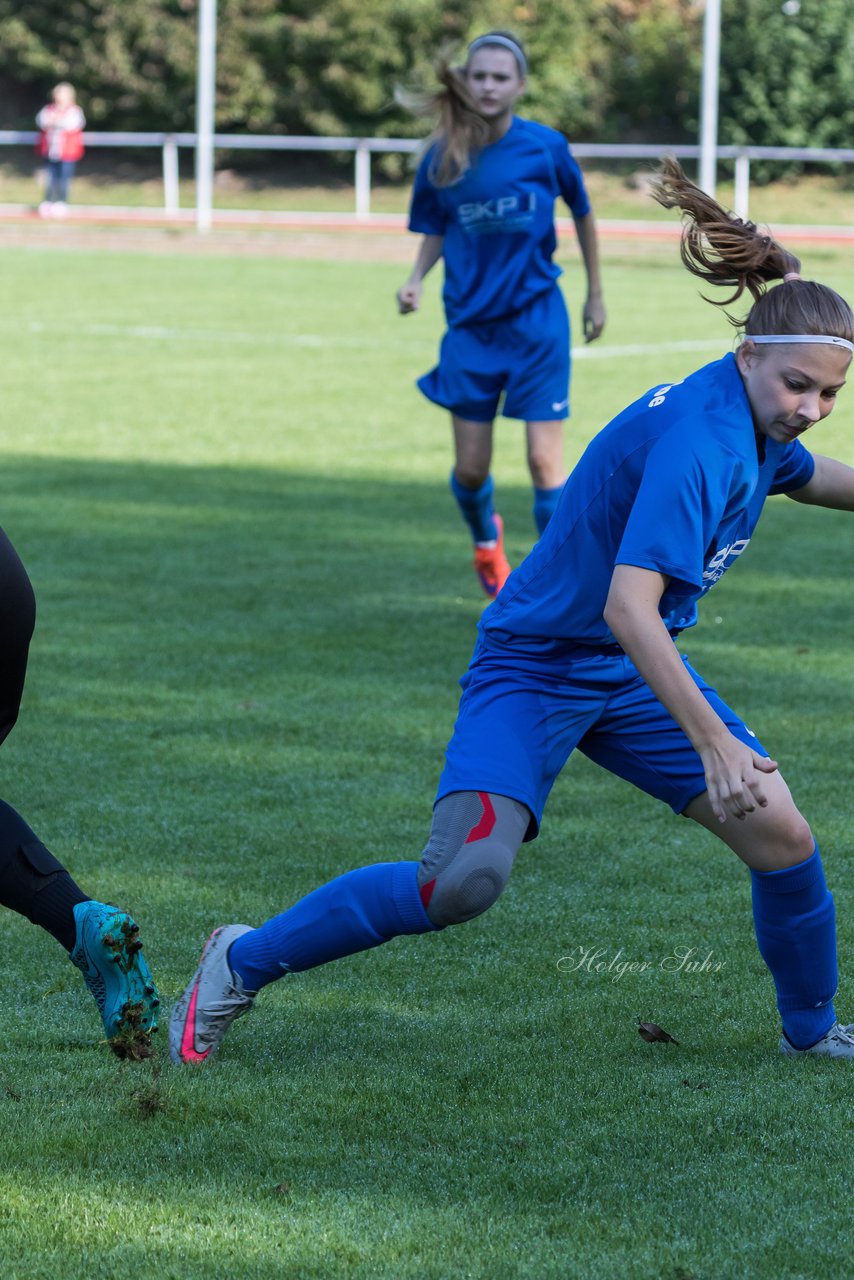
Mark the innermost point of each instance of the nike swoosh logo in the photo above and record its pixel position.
(557, 405)
(188, 1041)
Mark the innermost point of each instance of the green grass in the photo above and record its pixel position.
(254, 603)
(820, 198)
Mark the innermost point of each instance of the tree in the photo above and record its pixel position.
(132, 63)
(599, 69)
(787, 74)
(652, 68)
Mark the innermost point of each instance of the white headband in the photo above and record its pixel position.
(506, 43)
(812, 338)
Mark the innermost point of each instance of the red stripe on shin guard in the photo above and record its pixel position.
(426, 892)
(483, 828)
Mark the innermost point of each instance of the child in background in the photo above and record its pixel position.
(61, 123)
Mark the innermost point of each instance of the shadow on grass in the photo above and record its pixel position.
(293, 642)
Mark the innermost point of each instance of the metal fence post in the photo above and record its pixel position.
(363, 179)
(171, 192)
(205, 111)
(741, 199)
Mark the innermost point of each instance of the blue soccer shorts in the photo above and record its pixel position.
(524, 357)
(520, 719)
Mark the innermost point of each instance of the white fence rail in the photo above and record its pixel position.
(363, 148)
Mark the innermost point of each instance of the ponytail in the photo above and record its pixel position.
(732, 253)
(459, 129)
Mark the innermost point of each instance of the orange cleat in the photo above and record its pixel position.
(491, 564)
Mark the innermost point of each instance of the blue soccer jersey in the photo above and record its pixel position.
(498, 221)
(674, 484)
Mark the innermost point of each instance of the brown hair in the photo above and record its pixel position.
(459, 129)
(730, 252)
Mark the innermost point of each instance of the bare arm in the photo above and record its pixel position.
(594, 309)
(429, 253)
(733, 771)
(832, 485)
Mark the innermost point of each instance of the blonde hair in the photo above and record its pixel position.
(730, 252)
(459, 129)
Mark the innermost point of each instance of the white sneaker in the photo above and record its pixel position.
(211, 1002)
(60, 209)
(46, 209)
(838, 1043)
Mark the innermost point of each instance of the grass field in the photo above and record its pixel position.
(254, 604)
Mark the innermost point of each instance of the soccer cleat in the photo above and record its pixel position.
(838, 1043)
(209, 1005)
(490, 563)
(108, 953)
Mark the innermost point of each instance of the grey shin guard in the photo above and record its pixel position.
(468, 859)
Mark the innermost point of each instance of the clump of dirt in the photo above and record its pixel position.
(150, 1100)
(133, 1042)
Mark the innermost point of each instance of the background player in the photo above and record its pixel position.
(578, 650)
(102, 941)
(484, 200)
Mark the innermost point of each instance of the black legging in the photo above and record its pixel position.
(32, 881)
(17, 620)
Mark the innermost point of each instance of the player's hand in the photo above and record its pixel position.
(734, 778)
(593, 317)
(408, 297)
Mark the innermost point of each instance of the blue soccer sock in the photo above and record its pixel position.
(476, 508)
(795, 927)
(545, 501)
(356, 911)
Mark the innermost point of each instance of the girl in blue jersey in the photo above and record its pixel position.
(578, 651)
(484, 199)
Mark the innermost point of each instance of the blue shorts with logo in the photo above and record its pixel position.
(520, 719)
(524, 357)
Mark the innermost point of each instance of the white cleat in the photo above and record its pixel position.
(838, 1043)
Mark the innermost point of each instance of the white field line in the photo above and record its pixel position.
(319, 341)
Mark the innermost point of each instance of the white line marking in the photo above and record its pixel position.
(598, 352)
(319, 341)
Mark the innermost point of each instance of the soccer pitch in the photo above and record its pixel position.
(254, 604)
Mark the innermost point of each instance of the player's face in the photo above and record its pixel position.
(493, 79)
(791, 386)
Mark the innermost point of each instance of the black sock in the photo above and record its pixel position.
(33, 882)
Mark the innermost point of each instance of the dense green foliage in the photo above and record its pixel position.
(787, 79)
(600, 69)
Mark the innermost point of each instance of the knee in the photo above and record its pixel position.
(793, 841)
(470, 473)
(456, 898)
(468, 859)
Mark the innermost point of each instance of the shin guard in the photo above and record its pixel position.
(476, 509)
(356, 911)
(794, 918)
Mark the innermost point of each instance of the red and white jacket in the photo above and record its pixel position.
(61, 132)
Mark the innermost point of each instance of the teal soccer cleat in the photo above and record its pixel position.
(108, 953)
